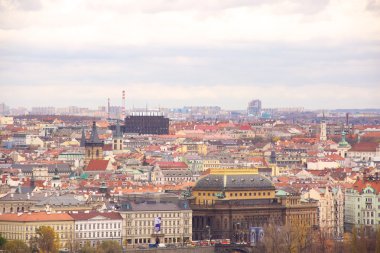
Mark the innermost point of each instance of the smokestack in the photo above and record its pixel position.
(108, 108)
(347, 119)
(123, 105)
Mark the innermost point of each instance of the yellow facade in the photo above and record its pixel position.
(209, 196)
(25, 231)
(93, 153)
(199, 148)
(210, 164)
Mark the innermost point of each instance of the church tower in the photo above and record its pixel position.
(83, 139)
(117, 144)
(323, 134)
(56, 180)
(343, 146)
(93, 146)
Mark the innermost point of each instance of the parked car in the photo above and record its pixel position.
(161, 245)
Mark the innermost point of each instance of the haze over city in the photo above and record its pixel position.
(203, 126)
(315, 54)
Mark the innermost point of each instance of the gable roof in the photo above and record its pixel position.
(97, 165)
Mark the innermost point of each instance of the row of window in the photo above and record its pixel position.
(98, 234)
(17, 228)
(97, 226)
(238, 194)
(151, 223)
(154, 215)
(149, 240)
(151, 231)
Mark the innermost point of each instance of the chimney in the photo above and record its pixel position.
(123, 105)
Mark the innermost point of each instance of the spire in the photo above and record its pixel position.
(83, 139)
(94, 138)
(343, 142)
(56, 174)
(273, 157)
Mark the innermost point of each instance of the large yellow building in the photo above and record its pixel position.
(227, 202)
(23, 226)
(232, 184)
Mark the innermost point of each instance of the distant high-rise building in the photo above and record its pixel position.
(254, 107)
(147, 123)
(48, 110)
(4, 109)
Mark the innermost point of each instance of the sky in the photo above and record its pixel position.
(317, 54)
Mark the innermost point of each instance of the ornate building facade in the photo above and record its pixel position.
(227, 202)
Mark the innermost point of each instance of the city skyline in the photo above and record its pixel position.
(321, 55)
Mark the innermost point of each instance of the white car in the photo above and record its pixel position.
(161, 245)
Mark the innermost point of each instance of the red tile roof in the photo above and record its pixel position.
(365, 147)
(97, 165)
(171, 165)
(335, 157)
(361, 184)
(41, 216)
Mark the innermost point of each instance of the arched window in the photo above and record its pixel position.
(97, 153)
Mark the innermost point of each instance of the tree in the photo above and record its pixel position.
(273, 240)
(87, 249)
(48, 241)
(16, 246)
(378, 240)
(110, 247)
(354, 241)
(3, 241)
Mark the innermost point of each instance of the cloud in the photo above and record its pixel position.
(258, 48)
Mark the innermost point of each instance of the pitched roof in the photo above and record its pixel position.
(361, 184)
(97, 165)
(364, 147)
(90, 215)
(171, 165)
(234, 182)
(40, 216)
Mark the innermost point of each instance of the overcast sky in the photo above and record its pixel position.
(318, 54)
